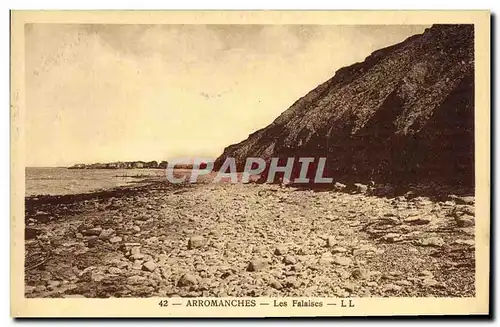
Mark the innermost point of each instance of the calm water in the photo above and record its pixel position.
(58, 181)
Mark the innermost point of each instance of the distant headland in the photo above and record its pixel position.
(123, 165)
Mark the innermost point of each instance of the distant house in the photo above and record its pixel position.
(98, 166)
(77, 166)
(121, 165)
(151, 164)
(138, 164)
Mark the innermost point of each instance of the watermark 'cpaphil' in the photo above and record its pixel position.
(253, 167)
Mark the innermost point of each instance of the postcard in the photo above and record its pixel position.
(250, 163)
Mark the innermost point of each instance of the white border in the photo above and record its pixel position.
(185, 4)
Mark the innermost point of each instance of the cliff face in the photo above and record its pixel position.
(404, 114)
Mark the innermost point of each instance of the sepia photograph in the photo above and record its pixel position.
(244, 163)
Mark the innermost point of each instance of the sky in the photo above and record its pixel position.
(104, 93)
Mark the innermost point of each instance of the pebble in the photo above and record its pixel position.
(187, 280)
(417, 220)
(326, 258)
(392, 237)
(130, 245)
(280, 250)
(106, 233)
(196, 242)
(392, 287)
(339, 249)
(256, 265)
(339, 186)
(135, 279)
(92, 231)
(360, 273)
(292, 282)
(425, 273)
(275, 284)
(468, 200)
(114, 270)
(403, 282)
(465, 242)
(115, 239)
(360, 188)
(343, 261)
(137, 256)
(429, 282)
(135, 250)
(97, 276)
(289, 260)
(53, 284)
(431, 241)
(349, 287)
(149, 266)
(331, 241)
(121, 264)
(465, 221)
(40, 288)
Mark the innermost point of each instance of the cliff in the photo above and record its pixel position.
(404, 114)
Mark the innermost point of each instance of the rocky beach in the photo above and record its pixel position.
(205, 239)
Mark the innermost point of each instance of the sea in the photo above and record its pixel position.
(60, 181)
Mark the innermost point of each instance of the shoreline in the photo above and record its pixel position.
(103, 193)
